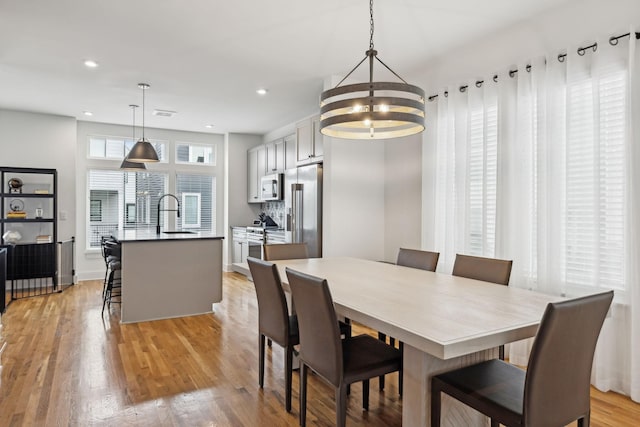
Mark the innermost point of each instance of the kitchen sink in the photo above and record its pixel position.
(179, 232)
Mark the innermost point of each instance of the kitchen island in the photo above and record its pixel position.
(169, 275)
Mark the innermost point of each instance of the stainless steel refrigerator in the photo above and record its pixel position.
(303, 207)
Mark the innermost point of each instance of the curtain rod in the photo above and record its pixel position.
(613, 41)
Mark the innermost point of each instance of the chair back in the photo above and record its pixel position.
(424, 260)
(273, 313)
(557, 381)
(286, 251)
(486, 269)
(320, 344)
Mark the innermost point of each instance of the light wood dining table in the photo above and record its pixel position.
(444, 321)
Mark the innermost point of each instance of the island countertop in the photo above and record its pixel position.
(151, 236)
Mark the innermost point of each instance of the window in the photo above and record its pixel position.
(562, 188)
(482, 176)
(191, 210)
(195, 154)
(595, 184)
(130, 214)
(115, 148)
(95, 211)
(125, 200)
(198, 195)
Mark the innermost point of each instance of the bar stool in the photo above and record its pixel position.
(113, 290)
(110, 250)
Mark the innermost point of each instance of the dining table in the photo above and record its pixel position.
(445, 321)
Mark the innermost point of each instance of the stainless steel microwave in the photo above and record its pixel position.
(271, 187)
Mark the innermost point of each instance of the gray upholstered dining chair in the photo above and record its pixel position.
(414, 258)
(339, 362)
(274, 320)
(486, 269)
(285, 251)
(554, 390)
(424, 260)
(278, 251)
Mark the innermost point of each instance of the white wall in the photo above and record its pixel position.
(353, 198)
(402, 195)
(89, 263)
(43, 141)
(571, 25)
(239, 212)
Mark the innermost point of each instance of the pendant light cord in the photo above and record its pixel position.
(133, 110)
(143, 91)
(371, 24)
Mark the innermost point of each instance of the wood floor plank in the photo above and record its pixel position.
(66, 365)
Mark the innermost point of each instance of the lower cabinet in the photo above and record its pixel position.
(240, 246)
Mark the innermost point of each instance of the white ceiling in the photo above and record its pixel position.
(205, 58)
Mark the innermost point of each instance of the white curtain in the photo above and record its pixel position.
(541, 166)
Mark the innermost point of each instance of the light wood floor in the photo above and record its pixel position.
(66, 365)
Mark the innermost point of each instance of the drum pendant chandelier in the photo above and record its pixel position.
(373, 110)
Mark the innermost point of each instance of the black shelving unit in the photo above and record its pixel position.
(31, 261)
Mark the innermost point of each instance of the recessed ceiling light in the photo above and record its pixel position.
(261, 91)
(87, 113)
(90, 63)
(209, 126)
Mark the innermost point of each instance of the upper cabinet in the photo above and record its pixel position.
(256, 165)
(273, 157)
(309, 141)
(276, 156)
(281, 154)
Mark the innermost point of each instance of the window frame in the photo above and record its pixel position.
(213, 148)
(198, 222)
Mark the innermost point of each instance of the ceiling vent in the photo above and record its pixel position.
(164, 113)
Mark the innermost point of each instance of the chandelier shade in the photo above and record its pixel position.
(372, 110)
(378, 110)
(132, 166)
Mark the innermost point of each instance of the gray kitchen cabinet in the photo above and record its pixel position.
(276, 156)
(309, 141)
(256, 163)
(290, 151)
(240, 247)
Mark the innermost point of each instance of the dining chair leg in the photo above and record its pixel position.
(261, 360)
(288, 366)
(303, 394)
(495, 423)
(501, 352)
(392, 341)
(584, 421)
(365, 395)
(341, 405)
(382, 337)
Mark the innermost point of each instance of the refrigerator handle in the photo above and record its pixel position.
(296, 217)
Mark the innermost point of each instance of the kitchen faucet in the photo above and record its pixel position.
(166, 210)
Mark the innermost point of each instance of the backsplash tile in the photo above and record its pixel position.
(275, 210)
